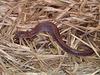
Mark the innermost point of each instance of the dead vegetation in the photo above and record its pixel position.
(78, 22)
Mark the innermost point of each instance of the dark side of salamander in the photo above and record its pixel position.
(52, 29)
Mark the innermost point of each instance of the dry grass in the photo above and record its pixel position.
(74, 18)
